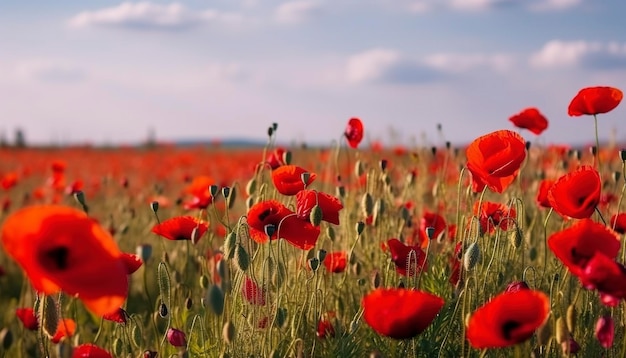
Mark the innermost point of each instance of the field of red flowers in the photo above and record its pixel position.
(498, 249)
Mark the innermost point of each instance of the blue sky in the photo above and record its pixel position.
(108, 71)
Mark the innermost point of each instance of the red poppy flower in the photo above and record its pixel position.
(199, 190)
(118, 316)
(276, 158)
(516, 286)
(595, 100)
(28, 318)
(252, 292)
(288, 179)
(284, 224)
(530, 119)
(181, 228)
(605, 331)
(494, 159)
(400, 313)
(336, 261)
(8, 180)
(542, 193)
(493, 215)
(307, 199)
(354, 132)
(618, 223)
(576, 194)
(61, 248)
(436, 221)
(325, 328)
(408, 259)
(65, 329)
(90, 350)
(576, 245)
(508, 319)
(607, 276)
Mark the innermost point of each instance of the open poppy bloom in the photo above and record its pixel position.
(181, 228)
(576, 194)
(576, 245)
(408, 259)
(354, 132)
(494, 159)
(400, 313)
(336, 261)
(494, 215)
(276, 158)
(434, 220)
(288, 179)
(607, 276)
(542, 193)
(618, 223)
(594, 100)
(118, 316)
(307, 199)
(90, 350)
(530, 119)
(62, 249)
(284, 224)
(28, 318)
(199, 191)
(508, 319)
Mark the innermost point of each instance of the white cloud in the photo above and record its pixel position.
(148, 15)
(298, 11)
(371, 65)
(594, 55)
(49, 71)
(449, 62)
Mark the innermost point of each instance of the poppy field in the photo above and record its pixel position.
(500, 248)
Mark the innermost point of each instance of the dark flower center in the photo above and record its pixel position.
(55, 259)
(508, 327)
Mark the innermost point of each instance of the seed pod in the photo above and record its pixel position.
(471, 257)
(242, 259)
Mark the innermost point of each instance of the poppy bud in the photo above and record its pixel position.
(144, 252)
(270, 229)
(571, 318)
(176, 337)
(249, 202)
(118, 347)
(204, 281)
(50, 316)
(154, 206)
(448, 144)
(242, 259)
(321, 255)
(314, 263)
(222, 271)
(195, 235)
(605, 331)
(278, 277)
(562, 334)
(379, 209)
(340, 191)
(164, 282)
(149, 354)
(383, 164)
(532, 253)
(136, 337)
(6, 338)
(188, 303)
(226, 191)
(79, 196)
(270, 131)
(287, 157)
(215, 298)
(367, 204)
(213, 190)
(622, 155)
(228, 332)
(376, 280)
(330, 232)
(305, 177)
(281, 316)
(516, 286)
(616, 176)
(163, 310)
(472, 256)
(515, 238)
(229, 245)
(251, 186)
(593, 150)
(316, 215)
(430, 232)
(360, 226)
(358, 169)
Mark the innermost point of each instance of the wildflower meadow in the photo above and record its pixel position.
(498, 248)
